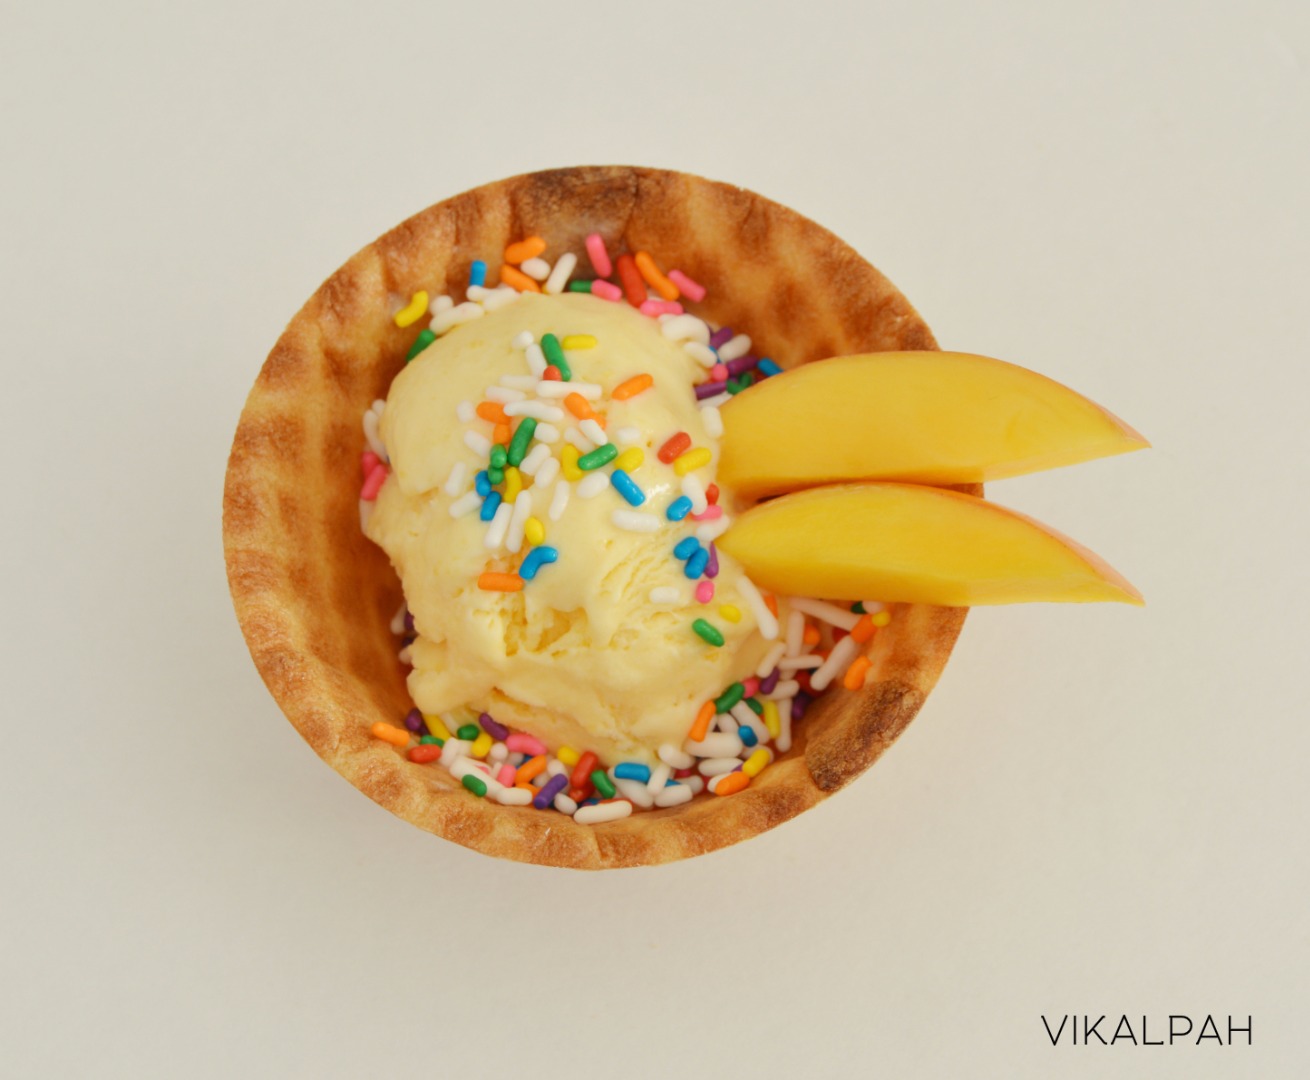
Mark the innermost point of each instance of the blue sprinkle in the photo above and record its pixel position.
(630, 770)
(687, 547)
(489, 506)
(768, 367)
(670, 782)
(536, 559)
(627, 487)
(678, 509)
(478, 273)
(747, 735)
(482, 483)
(697, 563)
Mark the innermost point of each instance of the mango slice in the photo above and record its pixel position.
(903, 542)
(919, 417)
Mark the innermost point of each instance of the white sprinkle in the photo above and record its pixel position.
(503, 394)
(872, 607)
(513, 796)
(716, 401)
(665, 594)
(829, 613)
(438, 304)
(712, 530)
(718, 766)
(795, 632)
(593, 431)
(477, 292)
(627, 436)
(523, 339)
(499, 527)
(538, 410)
(673, 795)
(838, 661)
(702, 354)
(786, 688)
(565, 805)
(467, 766)
(713, 421)
(536, 457)
(398, 620)
(518, 521)
(460, 313)
(593, 484)
(800, 663)
(371, 435)
(466, 412)
(734, 348)
(465, 504)
(498, 752)
(547, 433)
(675, 756)
(659, 776)
(725, 722)
(379, 406)
(599, 813)
(574, 436)
(478, 443)
(559, 276)
(452, 750)
(365, 512)
(559, 500)
(686, 328)
(536, 359)
(519, 382)
(715, 744)
(459, 474)
(695, 491)
(555, 767)
(767, 621)
(783, 741)
(770, 661)
(498, 298)
(557, 388)
(696, 783)
(635, 792)
(634, 521)
(536, 268)
(547, 472)
(746, 718)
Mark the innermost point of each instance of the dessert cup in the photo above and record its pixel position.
(315, 598)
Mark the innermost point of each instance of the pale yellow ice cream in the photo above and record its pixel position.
(581, 656)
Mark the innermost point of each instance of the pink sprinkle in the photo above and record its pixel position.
(705, 591)
(710, 513)
(368, 461)
(606, 290)
(660, 307)
(752, 686)
(506, 775)
(686, 286)
(520, 743)
(373, 483)
(719, 372)
(600, 258)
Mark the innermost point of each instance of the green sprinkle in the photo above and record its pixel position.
(730, 696)
(707, 633)
(478, 787)
(495, 476)
(425, 338)
(602, 455)
(499, 455)
(468, 732)
(518, 446)
(755, 706)
(431, 740)
(554, 354)
(579, 286)
(602, 784)
(857, 608)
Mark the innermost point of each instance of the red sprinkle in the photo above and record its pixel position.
(752, 686)
(682, 774)
(712, 494)
(368, 461)
(373, 483)
(553, 373)
(634, 285)
(424, 753)
(581, 775)
(674, 448)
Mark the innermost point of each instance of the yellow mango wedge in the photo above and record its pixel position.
(919, 417)
(903, 542)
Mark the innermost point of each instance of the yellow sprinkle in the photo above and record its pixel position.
(692, 460)
(436, 727)
(578, 341)
(881, 619)
(771, 720)
(480, 746)
(413, 311)
(513, 483)
(731, 612)
(568, 459)
(756, 762)
(630, 460)
(567, 756)
(534, 532)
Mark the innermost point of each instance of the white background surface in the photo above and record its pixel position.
(1100, 810)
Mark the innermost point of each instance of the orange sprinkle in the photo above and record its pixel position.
(580, 407)
(732, 783)
(526, 787)
(527, 248)
(493, 582)
(655, 276)
(771, 602)
(493, 411)
(530, 768)
(862, 631)
(500, 434)
(520, 280)
(632, 387)
(811, 635)
(389, 733)
(854, 677)
(703, 721)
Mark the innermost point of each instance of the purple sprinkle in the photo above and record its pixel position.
(742, 363)
(799, 704)
(770, 683)
(546, 796)
(409, 621)
(495, 730)
(712, 563)
(414, 722)
(721, 337)
(709, 389)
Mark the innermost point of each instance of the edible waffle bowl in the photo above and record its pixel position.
(315, 598)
